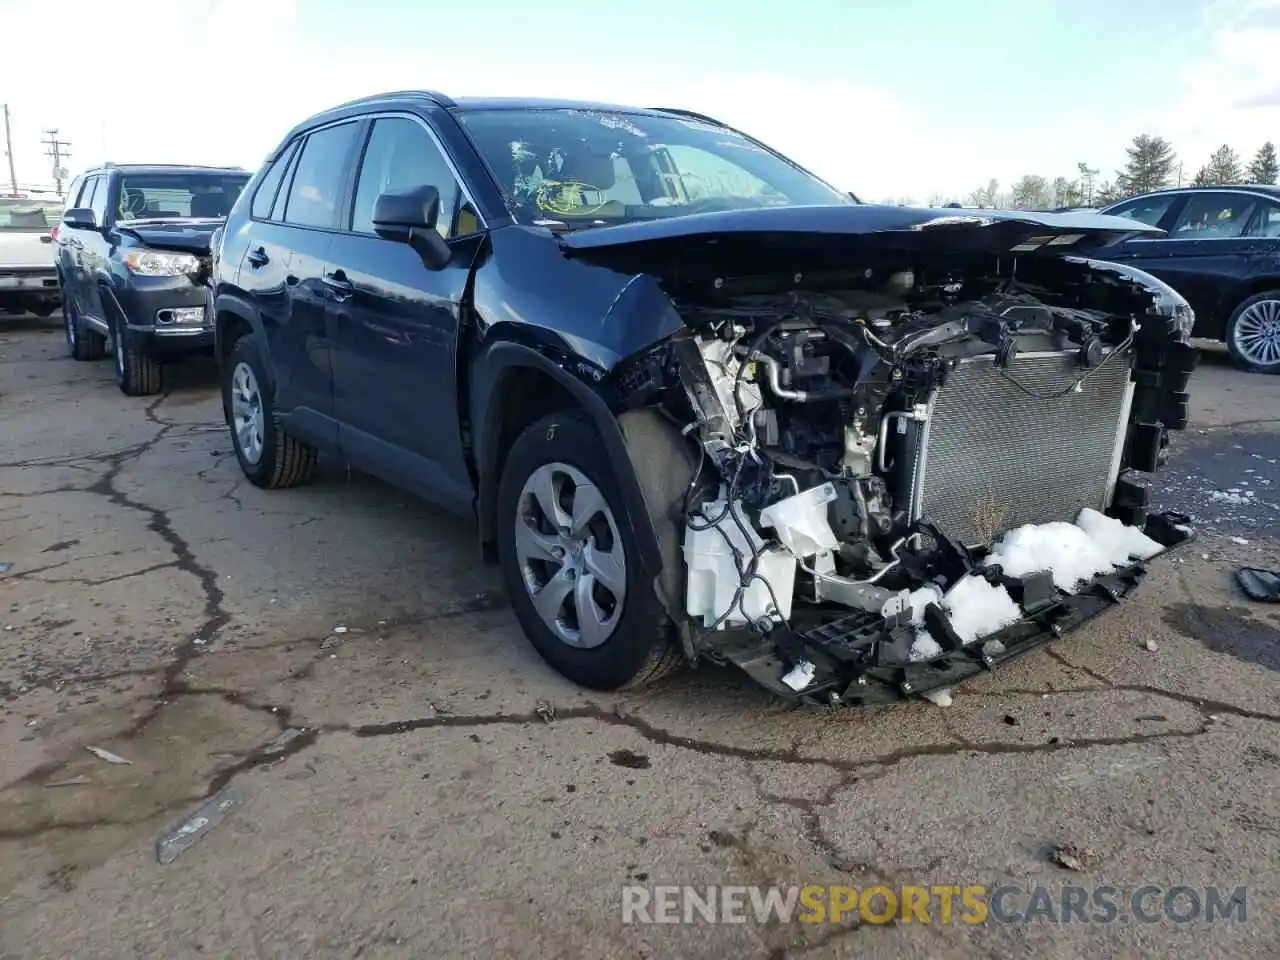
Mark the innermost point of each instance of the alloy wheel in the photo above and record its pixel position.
(570, 555)
(246, 412)
(1257, 333)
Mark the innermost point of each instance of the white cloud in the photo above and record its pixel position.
(1232, 94)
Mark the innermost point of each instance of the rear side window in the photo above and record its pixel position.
(1267, 222)
(265, 197)
(316, 191)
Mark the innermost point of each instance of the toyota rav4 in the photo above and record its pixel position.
(703, 405)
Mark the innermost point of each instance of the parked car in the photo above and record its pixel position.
(28, 281)
(132, 261)
(1222, 252)
(689, 390)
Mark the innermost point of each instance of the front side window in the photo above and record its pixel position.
(579, 166)
(401, 155)
(1212, 216)
(1146, 210)
(316, 190)
(159, 196)
(99, 202)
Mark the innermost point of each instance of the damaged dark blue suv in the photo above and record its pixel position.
(703, 405)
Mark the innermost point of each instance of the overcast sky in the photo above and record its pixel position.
(893, 98)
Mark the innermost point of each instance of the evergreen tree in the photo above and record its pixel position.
(1265, 168)
(1202, 178)
(1150, 166)
(1224, 166)
(1031, 192)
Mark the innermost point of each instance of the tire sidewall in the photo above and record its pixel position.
(1240, 359)
(246, 351)
(568, 438)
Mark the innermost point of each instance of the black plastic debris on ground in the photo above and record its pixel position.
(1258, 584)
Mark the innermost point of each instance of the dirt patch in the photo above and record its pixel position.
(1228, 630)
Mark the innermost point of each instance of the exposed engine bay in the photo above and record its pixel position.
(874, 448)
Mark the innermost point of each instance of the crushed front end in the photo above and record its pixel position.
(912, 472)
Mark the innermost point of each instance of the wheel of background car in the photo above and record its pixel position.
(269, 457)
(571, 569)
(138, 374)
(1253, 333)
(82, 344)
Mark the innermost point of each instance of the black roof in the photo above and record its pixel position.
(1270, 189)
(466, 104)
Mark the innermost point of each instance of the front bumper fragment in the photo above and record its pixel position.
(860, 659)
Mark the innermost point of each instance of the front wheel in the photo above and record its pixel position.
(571, 569)
(1253, 333)
(138, 374)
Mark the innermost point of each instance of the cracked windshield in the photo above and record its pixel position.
(584, 167)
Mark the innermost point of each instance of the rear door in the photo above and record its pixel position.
(394, 324)
(283, 270)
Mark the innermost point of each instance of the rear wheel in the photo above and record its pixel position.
(571, 569)
(269, 457)
(82, 344)
(1253, 333)
(138, 374)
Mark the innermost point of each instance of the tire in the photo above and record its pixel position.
(1253, 333)
(277, 460)
(638, 648)
(82, 344)
(138, 374)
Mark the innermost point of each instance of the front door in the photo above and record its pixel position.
(394, 323)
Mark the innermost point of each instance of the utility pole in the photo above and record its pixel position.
(59, 150)
(8, 149)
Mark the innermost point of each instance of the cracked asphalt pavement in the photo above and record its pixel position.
(420, 784)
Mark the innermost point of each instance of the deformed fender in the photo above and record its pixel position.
(489, 370)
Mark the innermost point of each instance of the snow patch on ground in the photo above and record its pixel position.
(1232, 496)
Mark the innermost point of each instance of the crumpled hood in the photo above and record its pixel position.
(188, 234)
(808, 236)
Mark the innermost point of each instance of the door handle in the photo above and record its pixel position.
(337, 282)
(258, 257)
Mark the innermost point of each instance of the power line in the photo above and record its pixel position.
(59, 150)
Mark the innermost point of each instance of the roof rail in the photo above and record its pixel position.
(432, 95)
(690, 113)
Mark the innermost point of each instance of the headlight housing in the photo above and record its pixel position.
(1165, 301)
(155, 263)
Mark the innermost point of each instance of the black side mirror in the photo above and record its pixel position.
(410, 216)
(80, 218)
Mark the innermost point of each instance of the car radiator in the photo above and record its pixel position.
(1007, 446)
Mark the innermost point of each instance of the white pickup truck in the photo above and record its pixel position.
(28, 280)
